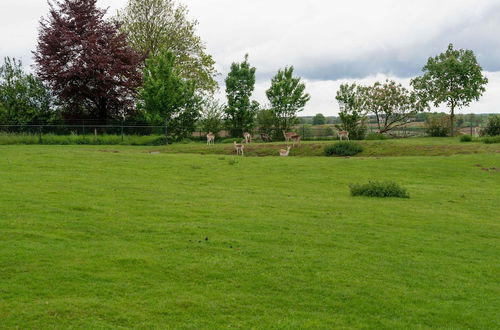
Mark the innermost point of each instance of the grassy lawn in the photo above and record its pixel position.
(117, 237)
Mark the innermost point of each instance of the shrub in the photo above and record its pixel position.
(376, 136)
(343, 149)
(379, 189)
(438, 125)
(491, 139)
(493, 126)
(231, 140)
(465, 138)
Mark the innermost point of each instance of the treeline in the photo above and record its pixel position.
(147, 65)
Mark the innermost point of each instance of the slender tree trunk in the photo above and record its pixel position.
(452, 121)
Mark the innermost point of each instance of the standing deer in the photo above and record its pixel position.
(284, 153)
(210, 138)
(343, 134)
(292, 136)
(248, 137)
(239, 148)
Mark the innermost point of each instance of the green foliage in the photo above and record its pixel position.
(212, 116)
(106, 139)
(376, 136)
(166, 97)
(24, 99)
(240, 110)
(379, 189)
(351, 102)
(437, 125)
(319, 119)
(493, 126)
(287, 97)
(392, 104)
(465, 138)
(152, 26)
(491, 139)
(345, 149)
(266, 121)
(231, 140)
(454, 78)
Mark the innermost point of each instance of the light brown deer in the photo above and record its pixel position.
(239, 148)
(266, 137)
(284, 153)
(210, 138)
(248, 137)
(343, 134)
(288, 136)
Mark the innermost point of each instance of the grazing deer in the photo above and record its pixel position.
(265, 137)
(296, 139)
(343, 134)
(239, 148)
(284, 153)
(288, 136)
(248, 137)
(210, 138)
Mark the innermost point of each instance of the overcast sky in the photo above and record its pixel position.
(328, 41)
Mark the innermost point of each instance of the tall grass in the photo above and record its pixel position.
(52, 139)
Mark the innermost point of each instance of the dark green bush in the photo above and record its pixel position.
(231, 140)
(438, 125)
(491, 139)
(493, 126)
(379, 189)
(343, 149)
(465, 138)
(376, 136)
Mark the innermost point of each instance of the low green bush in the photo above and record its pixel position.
(343, 149)
(53, 139)
(376, 136)
(493, 126)
(379, 189)
(232, 140)
(491, 139)
(466, 138)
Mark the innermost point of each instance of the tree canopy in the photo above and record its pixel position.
(319, 119)
(166, 97)
(86, 61)
(287, 97)
(352, 115)
(155, 25)
(453, 78)
(240, 110)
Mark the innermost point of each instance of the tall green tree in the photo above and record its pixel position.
(166, 97)
(319, 119)
(453, 78)
(24, 98)
(154, 25)
(212, 116)
(240, 110)
(392, 104)
(287, 97)
(351, 99)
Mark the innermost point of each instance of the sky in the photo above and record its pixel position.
(329, 42)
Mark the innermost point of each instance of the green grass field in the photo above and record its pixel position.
(114, 237)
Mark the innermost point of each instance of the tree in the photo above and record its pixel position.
(155, 25)
(493, 126)
(392, 105)
(86, 62)
(266, 121)
(212, 116)
(240, 110)
(287, 97)
(351, 102)
(454, 78)
(24, 98)
(319, 119)
(166, 97)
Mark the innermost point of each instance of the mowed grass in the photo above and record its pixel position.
(117, 237)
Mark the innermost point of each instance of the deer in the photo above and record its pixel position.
(248, 137)
(265, 137)
(292, 136)
(284, 153)
(343, 134)
(210, 138)
(239, 148)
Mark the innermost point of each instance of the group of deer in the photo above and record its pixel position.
(289, 137)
